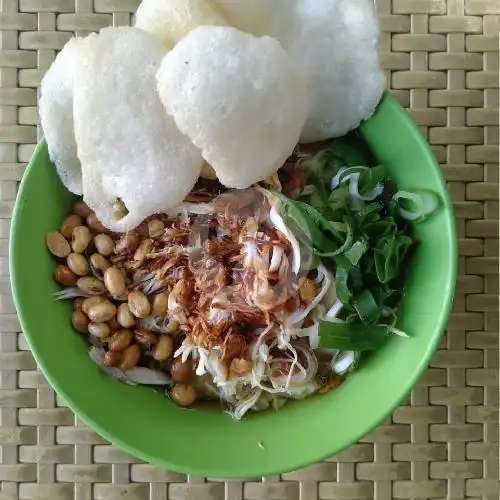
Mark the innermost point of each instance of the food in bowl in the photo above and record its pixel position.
(250, 297)
(266, 282)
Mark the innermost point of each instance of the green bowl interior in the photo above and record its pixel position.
(209, 443)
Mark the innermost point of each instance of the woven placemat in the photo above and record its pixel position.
(442, 63)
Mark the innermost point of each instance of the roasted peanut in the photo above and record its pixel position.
(181, 372)
(112, 358)
(96, 341)
(95, 224)
(139, 304)
(164, 348)
(145, 337)
(65, 276)
(128, 243)
(130, 357)
(114, 281)
(80, 208)
(80, 321)
(100, 330)
(102, 312)
(78, 264)
(121, 298)
(307, 289)
(143, 249)
(155, 228)
(57, 244)
(119, 210)
(114, 326)
(183, 395)
(104, 244)
(80, 239)
(160, 304)
(92, 301)
(68, 224)
(124, 316)
(120, 340)
(92, 286)
(99, 263)
(172, 326)
(78, 302)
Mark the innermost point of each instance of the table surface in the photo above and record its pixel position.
(441, 59)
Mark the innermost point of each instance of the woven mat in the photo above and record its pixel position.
(442, 63)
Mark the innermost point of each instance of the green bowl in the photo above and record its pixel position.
(208, 442)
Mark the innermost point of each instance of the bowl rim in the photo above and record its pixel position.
(388, 101)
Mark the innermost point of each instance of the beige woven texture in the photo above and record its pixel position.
(442, 443)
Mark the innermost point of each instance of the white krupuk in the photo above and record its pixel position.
(128, 146)
(56, 115)
(336, 44)
(240, 99)
(170, 20)
(258, 17)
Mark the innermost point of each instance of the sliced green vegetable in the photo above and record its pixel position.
(357, 280)
(379, 229)
(370, 177)
(346, 245)
(339, 199)
(356, 251)
(303, 224)
(307, 231)
(320, 196)
(351, 150)
(389, 253)
(333, 228)
(367, 308)
(356, 362)
(344, 174)
(416, 206)
(342, 268)
(351, 337)
(352, 216)
(369, 210)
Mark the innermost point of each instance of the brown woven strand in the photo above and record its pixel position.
(442, 60)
